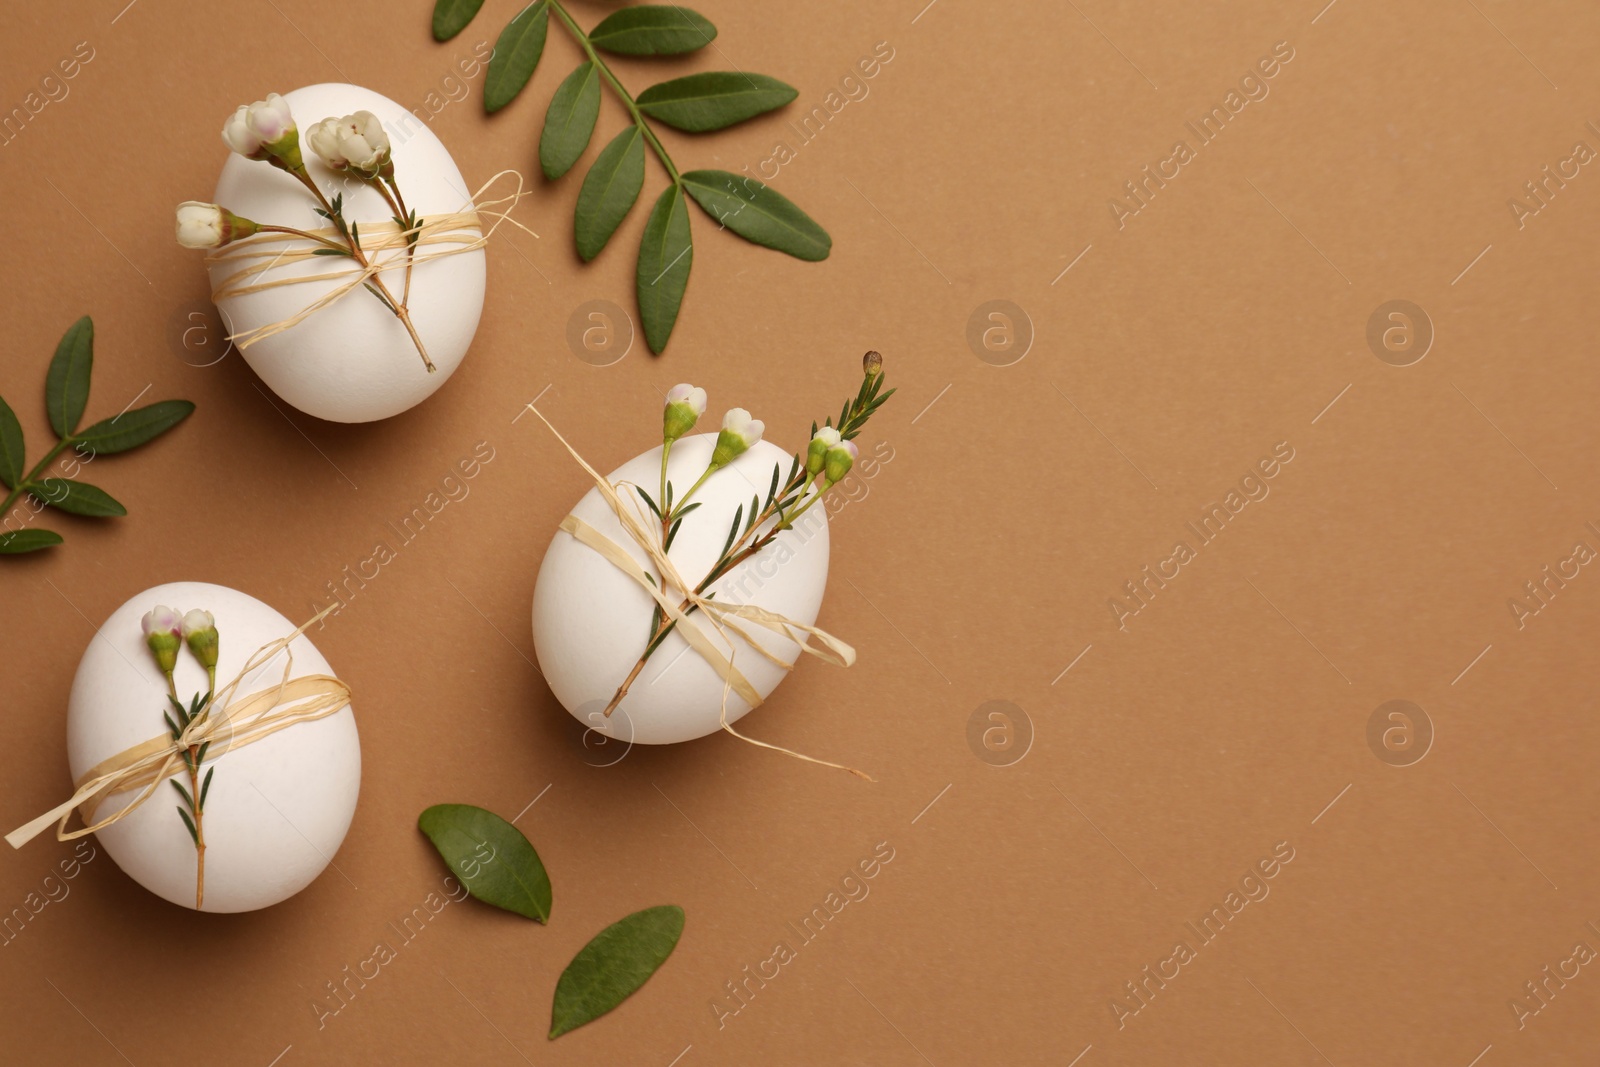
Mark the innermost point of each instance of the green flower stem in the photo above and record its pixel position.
(399, 309)
(622, 94)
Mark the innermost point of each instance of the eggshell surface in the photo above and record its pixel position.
(353, 361)
(591, 621)
(278, 808)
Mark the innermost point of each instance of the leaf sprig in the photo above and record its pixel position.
(66, 395)
(695, 103)
(758, 526)
(193, 757)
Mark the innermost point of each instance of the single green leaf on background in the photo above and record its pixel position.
(609, 190)
(666, 252)
(76, 498)
(450, 17)
(491, 857)
(713, 100)
(619, 960)
(133, 428)
(569, 123)
(516, 54)
(66, 386)
(653, 30)
(758, 214)
(19, 541)
(11, 447)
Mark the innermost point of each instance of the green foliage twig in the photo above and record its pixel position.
(66, 395)
(696, 103)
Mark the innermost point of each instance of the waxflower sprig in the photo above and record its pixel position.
(66, 394)
(828, 459)
(695, 103)
(356, 145)
(165, 634)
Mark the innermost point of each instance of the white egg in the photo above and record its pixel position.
(591, 622)
(278, 808)
(353, 361)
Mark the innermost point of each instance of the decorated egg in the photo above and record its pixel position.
(591, 622)
(352, 360)
(274, 811)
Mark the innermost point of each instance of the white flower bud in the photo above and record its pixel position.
(739, 433)
(821, 441)
(237, 134)
(356, 141)
(685, 404)
(202, 225)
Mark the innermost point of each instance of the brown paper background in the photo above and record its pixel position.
(1223, 319)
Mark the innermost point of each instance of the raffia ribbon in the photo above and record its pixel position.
(722, 615)
(240, 722)
(438, 237)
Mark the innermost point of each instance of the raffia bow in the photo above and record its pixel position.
(437, 237)
(240, 722)
(677, 598)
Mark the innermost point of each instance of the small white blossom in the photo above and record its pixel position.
(357, 141)
(685, 404)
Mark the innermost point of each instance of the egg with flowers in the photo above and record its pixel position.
(741, 522)
(269, 814)
(343, 250)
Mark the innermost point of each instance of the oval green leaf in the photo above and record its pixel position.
(713, 100)
(11, 446)
(491, 857)
(17, 542)
(569, 123)
(133, 428)
(619, 960)
(653, 30)
(66, 386)
(758, 214)
(450, 17)
(76, 498)
(666, 252)
(516, 54)
(609, 190)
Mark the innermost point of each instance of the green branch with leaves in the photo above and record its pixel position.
(66, 394)
(696, 103)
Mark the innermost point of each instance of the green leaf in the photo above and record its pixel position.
(11, 447)
(713, 100)
(569, 123)
(666, 252)
(609, 190)
(653, 30)
(133, 428)
(188, 822)
(205, 786)
(66, 386)
(76, 498)
(756, 213)
(182, 792)
(450, 17)
(619, 960)
(491, 857)
(516, 54)
(19, 541)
